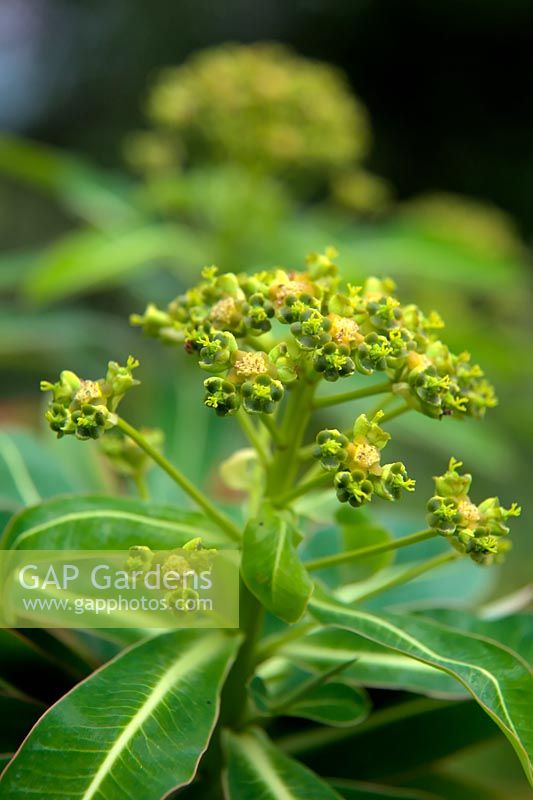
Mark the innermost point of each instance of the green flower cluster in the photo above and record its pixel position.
(258, 105)
(357, 463)
(477, 530)
(260, 333)
(181, 566)
(86, 408)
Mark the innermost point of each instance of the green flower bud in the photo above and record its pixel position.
(384, 313)
(118, 380)
(222, 396)
(493, 516)
(91, 422)
(451, 484)
(216, 354)
(126, 456)
(294, 306)
(64, 390)
(353, 488)
(258, 312)
(429, 386)
(334, 361)
(370, 430)
(372, 354)
(393, 481)
(443, 515)
(312, 330)
(284, 362)
(331, 449)
(155, 322)
(140, 559)
(58, 417)
(260, 395)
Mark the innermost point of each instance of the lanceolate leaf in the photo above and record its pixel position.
(103, 523)
(257, 770)
(375, 665)
(497, 678)
(136, 727)
(271, 568)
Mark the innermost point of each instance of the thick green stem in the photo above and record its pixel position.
(220, 519)
(253, 436)
(372, 550)
(356, 394)
(412, 572)
(285, 464)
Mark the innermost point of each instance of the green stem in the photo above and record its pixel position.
(302, 488)
(142, 488)
(355, 394)
(394, 413)
(276, 641)
(285, 463)
(220, 519)
(409, 574)
(275, 433)
(252, 436)
(372, 550)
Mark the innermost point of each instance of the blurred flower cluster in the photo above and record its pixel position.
(357, 463)
(477, 530)
(261, 106)
(86, 408)
(258, 334)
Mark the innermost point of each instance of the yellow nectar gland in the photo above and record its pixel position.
(344, 330)
(89, 392)
(362, 455)
(248, 365)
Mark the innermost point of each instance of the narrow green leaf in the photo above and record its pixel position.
(103, 523)
(257, 770)
(95, 195)
(374, 665)
(137, 726)
(108, 258)
(271, 568)
(324, 697)
(498, 679)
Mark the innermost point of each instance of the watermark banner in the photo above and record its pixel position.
(136, 588)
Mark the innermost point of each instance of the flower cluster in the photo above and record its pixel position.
(357, 463)
(181, 566)
(258, 334)
(257, 105)
(86, 408)
(477, 530)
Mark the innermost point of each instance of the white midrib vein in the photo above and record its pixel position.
(267, 773)
(201, 652)
(424, 649)
(107, 513)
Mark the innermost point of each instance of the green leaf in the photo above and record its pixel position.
(499, 680)
(141, 723)
(28, 471)
(104, 523)
(95, 195)
(108, 257)
(271, 568)
(319, 697)
(257, 770)
(374, 665)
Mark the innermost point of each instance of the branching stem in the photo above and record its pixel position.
(372, 550)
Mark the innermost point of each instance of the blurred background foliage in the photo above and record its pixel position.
(131, 156)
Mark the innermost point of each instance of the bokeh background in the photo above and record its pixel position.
(93, 226)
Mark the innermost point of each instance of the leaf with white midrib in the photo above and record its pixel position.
(140, 723)
(497, 678)
(93, 522)
(257, 770)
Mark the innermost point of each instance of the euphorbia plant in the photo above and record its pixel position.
(201, 707)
